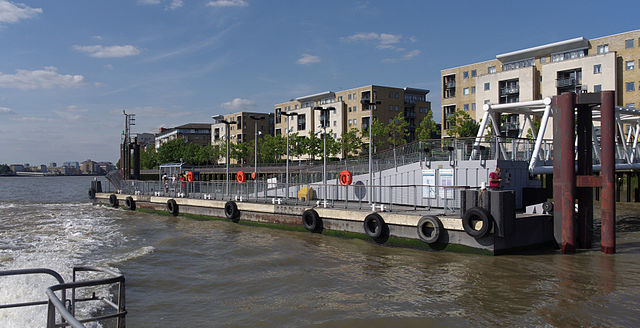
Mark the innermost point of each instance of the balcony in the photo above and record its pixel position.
(563, 83)
(509, 90)
(409, 115)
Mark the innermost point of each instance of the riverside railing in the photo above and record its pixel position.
(333, 195)
(64, 308)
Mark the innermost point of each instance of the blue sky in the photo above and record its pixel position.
(68, 68)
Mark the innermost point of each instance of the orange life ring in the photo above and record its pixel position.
(241, 177)
(253, 175)
(189, 176)
(345, 178)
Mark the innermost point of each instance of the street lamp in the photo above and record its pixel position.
(220, 119)
(255, 158)
(324, 121)
(288, 115)
(371, 106)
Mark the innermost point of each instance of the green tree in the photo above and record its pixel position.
(379, 132)
(312, 145)
(397, 131)
(296, 145)
(462, 125)
(272, 148)
(148, 158)
(240, 151)
(427, 127)
(4, 169)
(171, 151)
(351, 142)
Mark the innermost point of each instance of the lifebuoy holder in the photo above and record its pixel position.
(241, 177)
(345, 178)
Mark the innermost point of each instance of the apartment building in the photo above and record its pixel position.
(578, 65)
(348, 112)
(198, 133)
(243, 128)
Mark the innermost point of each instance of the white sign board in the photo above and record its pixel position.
(428, 183)
(446, 179)
(272, 183)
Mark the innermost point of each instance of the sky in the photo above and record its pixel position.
(69, 67)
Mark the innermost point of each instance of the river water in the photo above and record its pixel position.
(187, 273)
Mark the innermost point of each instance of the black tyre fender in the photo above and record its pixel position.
(92, 194)
(376, 228)
(477, 214)
(131, 204)
(429, 229)
(547, 207)
(312, 221)
(172, 207)
(113, 201)
(231, 211)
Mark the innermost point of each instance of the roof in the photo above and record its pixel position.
(194, 126)
(561, 46)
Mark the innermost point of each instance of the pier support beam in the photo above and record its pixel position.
(607, 195)
(584, 194)
(564, 184)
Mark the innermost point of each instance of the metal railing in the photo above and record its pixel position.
(333, 195)
(66, 308)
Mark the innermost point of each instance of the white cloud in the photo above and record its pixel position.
(99, 51)
(12, 13)
(175, 4)
(227, 3)
(407, 56)
(308, 59)
(39, 79)
(238, 104)
(5, 110)
(384, 40)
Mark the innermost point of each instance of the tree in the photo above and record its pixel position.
(5, 169)
(351, 142)
(379, 132)
(397, 131)
(312, 145)
(148, 158)
(427, 127)
(171, 151)
(240, 151)
(462, 125)
(271, 149)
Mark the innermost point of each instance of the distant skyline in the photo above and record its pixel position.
(69, 68)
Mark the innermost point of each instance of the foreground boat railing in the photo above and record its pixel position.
(66, 307)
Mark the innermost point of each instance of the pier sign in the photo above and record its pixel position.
(429, 183)
(446, 180)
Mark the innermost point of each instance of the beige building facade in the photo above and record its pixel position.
(243, 128)
(578, 65)
(347, 111)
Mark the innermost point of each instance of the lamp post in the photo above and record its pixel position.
(255, 151)
(288, 115)
(220, 119)
(371, 106)
(324, 120)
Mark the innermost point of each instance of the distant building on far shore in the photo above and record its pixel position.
(16, 168)
(146, 139)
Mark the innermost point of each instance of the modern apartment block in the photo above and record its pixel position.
(243, 128)
(348, 112)
(579, 65)
(198, 133)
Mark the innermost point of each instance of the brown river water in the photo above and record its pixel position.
(187, 273)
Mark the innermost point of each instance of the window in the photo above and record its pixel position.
(473, 90)
(355, 108)
(473, 106)
(390, 107)
(628, 44)
(465, 91)
(629, 65)
(350, 122)
(543, 60)
(340, 98)
(597, 88)
(397, 108)
(474, 73)
(560, 56)
(487, 101)
(355, 121)
(487, 86)
(390, 94)
(492, 70)
(603, 49)
(335, 123)
(390, 120)
(465, 74)
(631, 105)
(597, 69)
(397, 95)
(302, 123)
(349, 109)
(630, 86)
(349, 96)
(466, 107)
